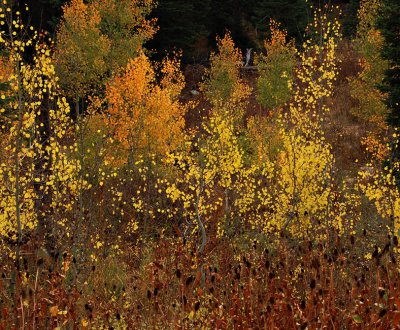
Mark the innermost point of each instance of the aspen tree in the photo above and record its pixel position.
(95, 39)
(38, 175)
(144, 117)
(224, 87)
(368, 44)
(276, 68)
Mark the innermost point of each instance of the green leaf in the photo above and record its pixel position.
(357, 319)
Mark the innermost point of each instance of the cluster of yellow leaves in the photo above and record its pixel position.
(297, 191)
(208, 176)
(16, 192)
(305, 185)
(381, 187)
(8, 225)
(224, 159)
(319, 64)
(35, 162)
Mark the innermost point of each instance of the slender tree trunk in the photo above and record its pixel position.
(202, 231)
(17, 192)
(42, 173)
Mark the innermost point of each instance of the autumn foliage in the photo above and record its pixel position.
(117, 212)
(141, 115)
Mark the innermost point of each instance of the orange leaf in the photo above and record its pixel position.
(54, 311)
(200, 292)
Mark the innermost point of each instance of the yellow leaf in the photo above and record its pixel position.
(191, 315)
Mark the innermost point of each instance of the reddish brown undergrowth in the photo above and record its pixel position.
(160, 283)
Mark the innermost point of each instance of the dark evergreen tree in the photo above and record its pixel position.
(229, 15)
(249, 19)
(181, 24)
(292, 14)
(350, 20)
(389, 24)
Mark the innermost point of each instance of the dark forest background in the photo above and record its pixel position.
(192, 25)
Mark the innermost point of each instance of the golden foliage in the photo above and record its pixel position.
(380, 186)
(253, 195)
(319, 65)
(145, 117)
